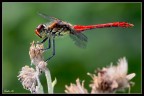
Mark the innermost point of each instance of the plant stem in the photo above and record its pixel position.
(49, 81)
(39, 88)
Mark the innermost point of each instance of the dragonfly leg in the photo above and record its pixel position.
(42, 41)
(49, 44)
(53, 51)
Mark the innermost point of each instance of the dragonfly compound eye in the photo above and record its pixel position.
(39, 30)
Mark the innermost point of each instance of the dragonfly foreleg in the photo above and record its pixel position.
(42, 41)
(49, 44)
(53, 51)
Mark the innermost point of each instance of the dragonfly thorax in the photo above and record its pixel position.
(59, 31)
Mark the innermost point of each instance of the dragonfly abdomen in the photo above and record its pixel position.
(80, 28)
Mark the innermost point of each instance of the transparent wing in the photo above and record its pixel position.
(47, 17)
(79, 39)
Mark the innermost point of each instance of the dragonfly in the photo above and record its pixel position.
(57, 27)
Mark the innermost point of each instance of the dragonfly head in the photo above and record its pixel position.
(40, 30)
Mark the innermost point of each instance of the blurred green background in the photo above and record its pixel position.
(104, 46)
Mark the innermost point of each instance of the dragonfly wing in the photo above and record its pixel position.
(47, 17)
(79, 39)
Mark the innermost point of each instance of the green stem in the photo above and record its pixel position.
(49, 81)
(39, 88)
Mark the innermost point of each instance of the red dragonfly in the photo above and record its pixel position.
(57, 27)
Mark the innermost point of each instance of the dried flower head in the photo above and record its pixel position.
(36, 54)
(27, 77)
(76, 88)
(112, 78)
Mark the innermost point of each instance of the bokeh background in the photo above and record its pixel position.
(105, 45)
